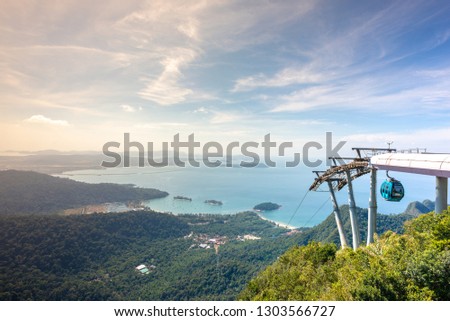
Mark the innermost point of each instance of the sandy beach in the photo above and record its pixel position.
(286, 226)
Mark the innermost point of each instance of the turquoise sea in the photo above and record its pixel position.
(242, 188)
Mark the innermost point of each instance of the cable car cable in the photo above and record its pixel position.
(298, 207)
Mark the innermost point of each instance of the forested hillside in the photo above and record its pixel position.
(412, 266)
(93, 257)
(35, 193)
(327, 231)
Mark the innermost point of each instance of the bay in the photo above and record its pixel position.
(240, 189)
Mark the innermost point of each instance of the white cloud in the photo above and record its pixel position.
(84, 59)
(225, 117)
(127, 40)
(286, 77)
(308, 98)
(201, 110)
(128, 108)
(234, 25)
(408, 92)
(434, 73)
(181, 32)
(40, 119)
(190, 28)
(50, 62)
(352, 69)
(165, 89)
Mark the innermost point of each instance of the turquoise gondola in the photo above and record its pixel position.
(392, 190)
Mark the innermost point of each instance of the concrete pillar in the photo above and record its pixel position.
(441, 194)
(337, 217)
(372, 215)
(352, 210)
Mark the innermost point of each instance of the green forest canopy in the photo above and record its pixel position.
(412, 266)
(93, 257)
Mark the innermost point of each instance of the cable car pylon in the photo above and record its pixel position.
(337, 212)
(340, 174)
(356, 238)
(337, 216)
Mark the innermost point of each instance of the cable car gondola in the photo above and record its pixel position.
(392, 190)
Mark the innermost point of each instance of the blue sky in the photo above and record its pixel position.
(76, 74)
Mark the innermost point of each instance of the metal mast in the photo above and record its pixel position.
(356, 239)
(336, 210)
(341, 174)
(337, 216)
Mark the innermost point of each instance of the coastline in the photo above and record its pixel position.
(283, 225)
(231, 190)
(124, 207)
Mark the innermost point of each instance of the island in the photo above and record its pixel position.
(184, 198)
(266, 206)
(213, 202)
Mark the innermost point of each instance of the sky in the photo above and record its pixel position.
(77, 74)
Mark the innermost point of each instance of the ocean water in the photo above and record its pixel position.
(242, 188)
